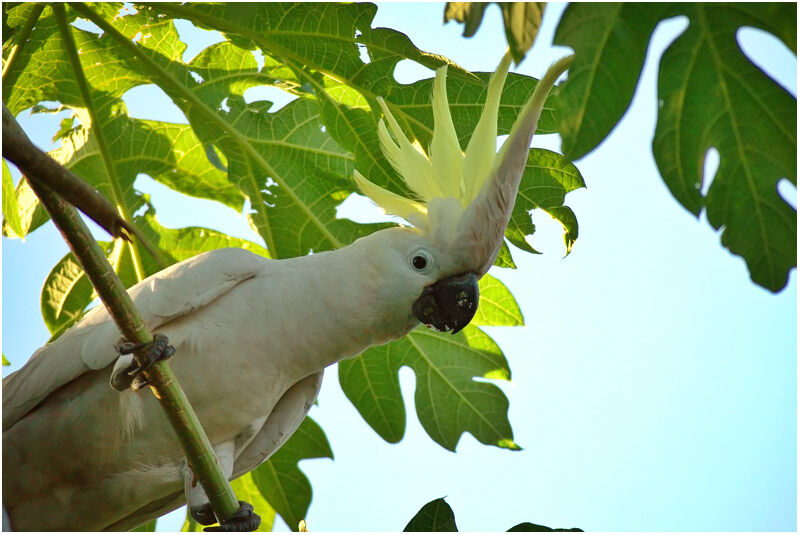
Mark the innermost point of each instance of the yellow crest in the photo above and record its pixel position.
(445, 179)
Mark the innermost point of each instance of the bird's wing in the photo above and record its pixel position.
(89, 345)
(285, 418)
(282, 422)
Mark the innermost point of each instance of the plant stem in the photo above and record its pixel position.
(163, 382)
(40, 167)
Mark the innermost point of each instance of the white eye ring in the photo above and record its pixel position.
(420, 261)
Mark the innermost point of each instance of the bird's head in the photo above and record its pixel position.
(463, 199)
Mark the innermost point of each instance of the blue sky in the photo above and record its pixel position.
(654, 386)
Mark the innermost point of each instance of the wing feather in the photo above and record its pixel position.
(89, 345)
(282, 422)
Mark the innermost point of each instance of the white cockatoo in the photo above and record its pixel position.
(252, 336)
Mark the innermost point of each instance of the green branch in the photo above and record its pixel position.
(45, 177)
(163, 382)
(41, 168)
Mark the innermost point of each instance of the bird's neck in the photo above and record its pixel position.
(343, 305)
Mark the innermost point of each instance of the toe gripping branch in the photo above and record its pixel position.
(245, 519)
(157, 349)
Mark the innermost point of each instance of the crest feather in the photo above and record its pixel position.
(414, 212)
(446, 156)
(409, 160)
(482, 148)
(446, 180)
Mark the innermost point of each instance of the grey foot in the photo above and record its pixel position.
(131, 377)
(244, 520)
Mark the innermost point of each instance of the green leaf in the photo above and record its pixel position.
(280, 480)
(10, 206)
(521, 21)
(496, 307)
(547, 178)
(504, 259)
(66, 294)
(348, 88)
(246, 490)
(610, 41)
(714, 97)
(568, 220)
(434, 516)
(468, 13)
(710, 96)
(437, 515)
(527, 526)
(448, 400)
(30, 214)
(5, 361)
(169, 153)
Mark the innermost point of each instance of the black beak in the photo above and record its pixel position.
(448, 304)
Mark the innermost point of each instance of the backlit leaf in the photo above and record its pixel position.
(280, 480)
(448, 399)
(10, 206)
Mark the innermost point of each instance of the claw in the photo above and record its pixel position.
(157, 349)
(203, 515)
(243, 520)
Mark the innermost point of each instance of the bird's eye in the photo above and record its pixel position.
(420, 260)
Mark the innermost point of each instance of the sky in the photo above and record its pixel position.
(654, 385)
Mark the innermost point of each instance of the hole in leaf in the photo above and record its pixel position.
(87, 25)
(710, 167)
(151, 103)
(224, 105)
(407, 72)
(126, 9)
(259, 57)
(361, 209)
(42, 122)
(363, 54)
(549, 235)
(788, 192)
(197, 77)
(277, 97)
(175, 209)
(769, 54)
(196, 39)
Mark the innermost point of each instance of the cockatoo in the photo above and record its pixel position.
(252, 336)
